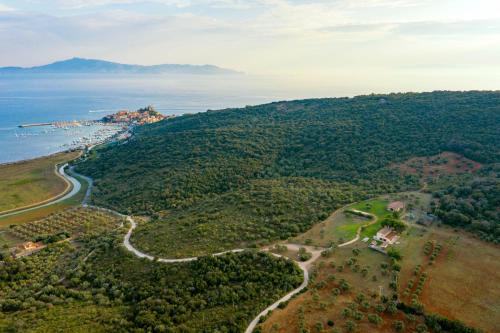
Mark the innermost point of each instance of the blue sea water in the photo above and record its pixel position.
(48, 98)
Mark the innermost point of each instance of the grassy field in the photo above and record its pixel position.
(462, 282)
(7, 240)
(337, 228)
(42, 212)
(377, 207)
(26, 183)
(341, 226)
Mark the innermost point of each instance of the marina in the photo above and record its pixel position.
(69, 135)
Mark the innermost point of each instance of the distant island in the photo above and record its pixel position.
(93, 66)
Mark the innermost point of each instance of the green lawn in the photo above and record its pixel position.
(337, 228)
(377, 207)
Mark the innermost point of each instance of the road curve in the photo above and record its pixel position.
(131, 248)
(76, 186)
(304, 266)
(305, 269)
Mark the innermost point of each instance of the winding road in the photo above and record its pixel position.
(75, 188)
(304, 266)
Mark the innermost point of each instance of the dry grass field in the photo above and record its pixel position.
(459, 282)
(319, 307)
(462, 281)
(445, 163)
(29, 182)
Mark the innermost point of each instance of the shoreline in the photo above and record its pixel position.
(82, 150)
(40, 157)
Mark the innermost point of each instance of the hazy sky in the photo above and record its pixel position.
(379, 44)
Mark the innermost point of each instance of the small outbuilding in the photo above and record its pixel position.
(28, 246)
(396, 206)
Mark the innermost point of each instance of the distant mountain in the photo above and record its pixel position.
(92, 66)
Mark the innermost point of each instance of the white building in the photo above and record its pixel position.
(386, 235)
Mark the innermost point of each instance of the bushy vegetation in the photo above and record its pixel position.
(260, 210)
(212, 294)
(394, 223)
(473, 204)
(180, 167)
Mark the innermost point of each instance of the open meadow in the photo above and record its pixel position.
(29, 182)
(461, 281)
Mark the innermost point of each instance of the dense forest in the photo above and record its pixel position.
(285, 165)
(473, 204)
(95, 285)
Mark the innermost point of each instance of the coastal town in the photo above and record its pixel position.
(142, 116)
(87, 133)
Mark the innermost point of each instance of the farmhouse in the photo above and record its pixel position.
(28, 246)
(396, 206)
(386, 235)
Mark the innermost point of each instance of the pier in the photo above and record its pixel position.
(61, 123)
(35, 124)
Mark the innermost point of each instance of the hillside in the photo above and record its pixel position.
(89, 66)
(234, 176)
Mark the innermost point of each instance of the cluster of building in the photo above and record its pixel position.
(387, 235)
(143, 116)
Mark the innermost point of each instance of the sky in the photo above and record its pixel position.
(380, 45)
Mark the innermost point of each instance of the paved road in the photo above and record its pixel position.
(90, 183)
(76, 186)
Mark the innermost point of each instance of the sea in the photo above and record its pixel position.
(41, 98)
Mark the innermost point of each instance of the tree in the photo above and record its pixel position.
(394, 254)
(350, 326)
(399, 326)
(394, 223)
(375, 319)
(421, 328)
